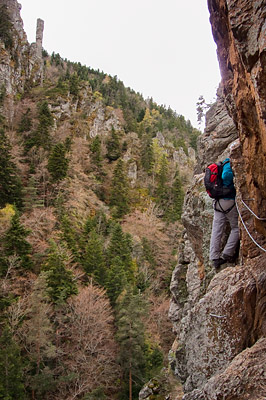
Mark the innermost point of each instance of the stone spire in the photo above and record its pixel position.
(39, 37)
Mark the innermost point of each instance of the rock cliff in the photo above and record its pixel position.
(220, 319)
(23, 64)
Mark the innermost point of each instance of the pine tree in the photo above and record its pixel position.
(68, 143)
(2, 98)
(60, 281)
(194, 138)
(58, 163)
(120, 246)
(98, 222)
(10, 184)
(113, 146)
(162, 190)
(11, 379)
(116, 280)
(74, 85)
(25, 122)
(41, 137)
(131, 338)
(70, 236)
(94, 262)
(177, 197)
(147, 154)
(119, 191)
(147, 121)
(6, 27)
(45, 117)
(148, 253)
(15, 242)
(95, 148)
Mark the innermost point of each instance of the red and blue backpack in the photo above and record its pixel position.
(214, 184)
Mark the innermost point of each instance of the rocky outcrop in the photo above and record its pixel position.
(219, 133)
(241, 49)
(243, 379)
(23, 64)
(220, 319)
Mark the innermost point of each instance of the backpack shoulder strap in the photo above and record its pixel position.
(225, 162)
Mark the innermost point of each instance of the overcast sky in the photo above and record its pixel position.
(162, 49)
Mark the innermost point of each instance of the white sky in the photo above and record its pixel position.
(162, 49)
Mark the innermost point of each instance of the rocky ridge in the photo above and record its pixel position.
(220, 320)
(24, 65)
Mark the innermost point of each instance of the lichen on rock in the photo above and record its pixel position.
(221, 320)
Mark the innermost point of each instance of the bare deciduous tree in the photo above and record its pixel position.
(88, 346)
(158, 323)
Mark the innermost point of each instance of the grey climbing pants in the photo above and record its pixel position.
(218, 225)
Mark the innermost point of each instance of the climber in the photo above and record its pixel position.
(225, 210)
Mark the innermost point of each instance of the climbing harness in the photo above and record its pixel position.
(241, 219)
(221, 208)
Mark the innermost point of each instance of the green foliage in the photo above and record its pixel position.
(38, 336)
(114, 93)
(93, 260)
(119, 191)
(58, 163)
(10, 183)
(68, 143)
(15, 243)
(174, 210)
(56, 59)
(181, 143)
(43, 383)
(6, 27)
(70, 236)
(162, 189)
(120, 246)
(95, 148)
(194, 138)
(148, 253)
(97, 394)
(116, 279)
(147, 265)
(2, 94)
(61, 89)
(131, 338)
(60, 281)
(74, 85)
(113, 146)
(97, 222)
(41, 137)
(25, 122)
(5, 300)
(141, 115)
(147, 154)
(98, 245)
(45, 117)
(154, 361)
(11, 379)
(45, 53)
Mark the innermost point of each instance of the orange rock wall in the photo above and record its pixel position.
(239, 30)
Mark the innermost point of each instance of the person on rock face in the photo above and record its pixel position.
(224, 210)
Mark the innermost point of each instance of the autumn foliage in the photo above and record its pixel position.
(91, 197)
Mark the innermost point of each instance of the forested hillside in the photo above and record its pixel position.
(92, 180)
